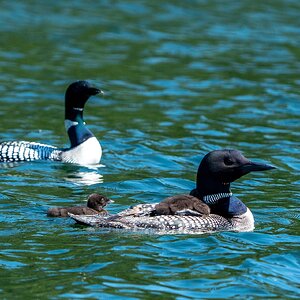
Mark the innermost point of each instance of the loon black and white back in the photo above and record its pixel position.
(85, 149)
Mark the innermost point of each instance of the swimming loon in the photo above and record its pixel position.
(94, 206)
(223, 212)
(85, 148)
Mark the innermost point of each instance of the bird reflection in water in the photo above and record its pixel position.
(84, 175)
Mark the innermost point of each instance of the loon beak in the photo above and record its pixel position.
(95, 91)
(253, 167)
(110, 201)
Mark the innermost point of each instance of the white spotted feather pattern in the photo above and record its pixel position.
(138, 218)
(27, 151)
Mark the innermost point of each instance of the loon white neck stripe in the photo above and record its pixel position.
(213, 199)
(78, 108)
(69, 123)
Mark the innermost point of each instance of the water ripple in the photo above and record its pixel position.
(180, 79)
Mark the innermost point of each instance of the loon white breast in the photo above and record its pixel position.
(217, 209)
(85, 148)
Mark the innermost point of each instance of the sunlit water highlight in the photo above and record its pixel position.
(181, 78)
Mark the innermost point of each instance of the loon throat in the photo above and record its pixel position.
(69, 124)
(78, 133)
(74, 114)
(213, 199)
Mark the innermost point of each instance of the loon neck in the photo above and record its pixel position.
(210, 190)
(77, 131)
(222, 203)
(214, 198)
(74, 114)
(75, 126)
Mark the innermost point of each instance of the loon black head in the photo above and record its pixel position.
(97, 201)
(76, 96)
(221, 167)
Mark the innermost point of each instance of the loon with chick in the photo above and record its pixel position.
(85, 149)
(217, 209)
(95, 205)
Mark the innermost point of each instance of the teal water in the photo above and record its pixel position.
(181, 78)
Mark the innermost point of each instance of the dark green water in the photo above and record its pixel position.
(181, 78)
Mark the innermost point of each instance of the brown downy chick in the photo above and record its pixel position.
(95, 205)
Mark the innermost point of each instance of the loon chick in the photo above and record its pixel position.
(94, 206)
(181, 205)
(85, 149)
(215, 173)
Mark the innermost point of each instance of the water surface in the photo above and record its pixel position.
(181, 78)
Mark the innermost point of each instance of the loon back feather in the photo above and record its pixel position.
(27, 151)
(170, 224)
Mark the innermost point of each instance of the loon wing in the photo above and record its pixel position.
(15, 151)
(140, 217)
(159, 224)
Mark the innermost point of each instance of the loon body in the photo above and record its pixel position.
(217, 208)
(84, 149)
(95, 205)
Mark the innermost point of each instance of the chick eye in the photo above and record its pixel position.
(228, 161)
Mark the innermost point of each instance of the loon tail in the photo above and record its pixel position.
(15, 151)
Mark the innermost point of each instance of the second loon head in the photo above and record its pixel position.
(77, 94)
(221, 167)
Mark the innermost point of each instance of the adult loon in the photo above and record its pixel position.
(85, 149)
(95, 205)
(217, 210)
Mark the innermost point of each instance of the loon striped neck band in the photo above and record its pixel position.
(69, 123)
(213, 199)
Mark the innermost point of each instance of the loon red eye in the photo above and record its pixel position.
(228, 161)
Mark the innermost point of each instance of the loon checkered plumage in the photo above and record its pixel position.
(85, 148)
(219, 209)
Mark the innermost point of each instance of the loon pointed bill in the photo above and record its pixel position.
(85, 149)
(209, 207)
